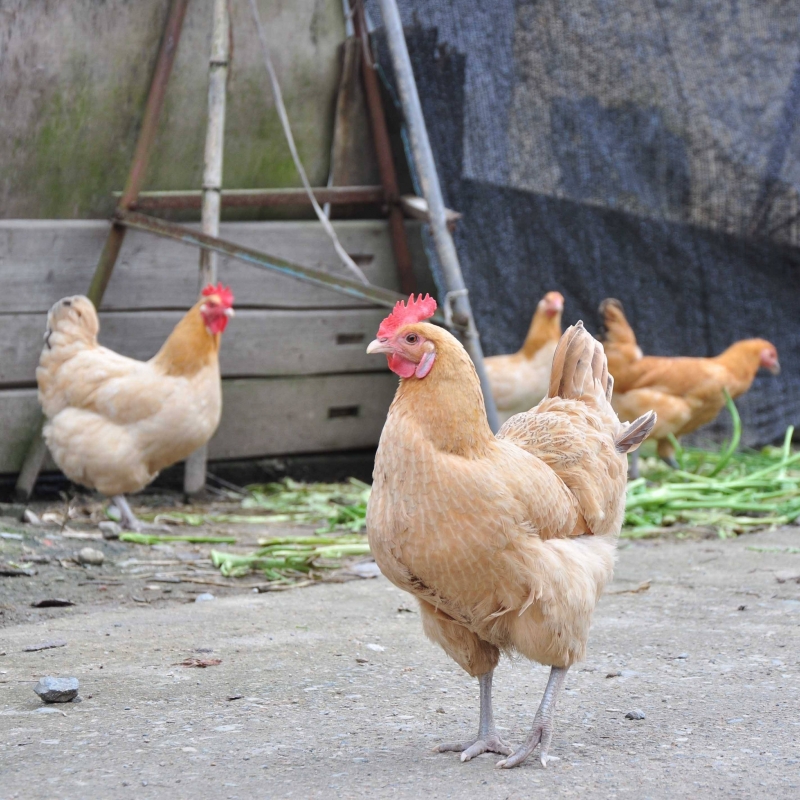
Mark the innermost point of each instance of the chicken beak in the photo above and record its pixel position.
(379, 346)
(230, 313)
(775, 369)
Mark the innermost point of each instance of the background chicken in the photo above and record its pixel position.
(507, 541)
(685, 392)
(113, 423)
(520, 380)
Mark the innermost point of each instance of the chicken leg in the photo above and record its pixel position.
(487, 740)
(128, 519)
(542, 730)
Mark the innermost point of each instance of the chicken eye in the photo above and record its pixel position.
(412, 338)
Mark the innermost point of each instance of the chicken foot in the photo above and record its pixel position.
(129, 520)
(542, 730)
(487, 740)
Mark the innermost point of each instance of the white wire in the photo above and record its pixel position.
(287, 130)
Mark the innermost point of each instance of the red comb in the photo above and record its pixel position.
(223, 292)
(413, 311)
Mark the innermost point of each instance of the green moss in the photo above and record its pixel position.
(79, 142)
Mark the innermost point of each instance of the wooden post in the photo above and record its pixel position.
(383, 149)
(194, 478)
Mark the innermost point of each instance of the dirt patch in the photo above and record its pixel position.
(131, 574)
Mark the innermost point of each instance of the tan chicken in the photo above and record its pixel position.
(113, 423)
(520, 380)
(506, 541)
(687, 393)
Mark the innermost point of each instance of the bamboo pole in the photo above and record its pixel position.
(194, 478)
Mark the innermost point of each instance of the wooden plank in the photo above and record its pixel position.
(261, 416)
(42, 261)
(302, 415)
(257, 343)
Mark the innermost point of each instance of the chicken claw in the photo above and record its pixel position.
(542, 731)
(491, 743)
(487, 740)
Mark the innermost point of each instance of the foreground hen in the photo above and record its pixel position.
(113, 423)
(506, 541)
(687, 393)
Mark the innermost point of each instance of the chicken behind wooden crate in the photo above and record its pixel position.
(112, 422)
(506, 541)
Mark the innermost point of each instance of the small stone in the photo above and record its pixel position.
(202, 598)
(57, 690)
(440, 710)
(88, 555)
(366, 569)
(376, 648)
(615, 674)
(637, 713)
(110, 529)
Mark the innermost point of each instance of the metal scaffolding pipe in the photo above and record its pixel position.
(456, 297)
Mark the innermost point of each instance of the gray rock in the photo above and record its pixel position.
(110, 529)
(88, 555)
(637, 713)
(57, 690)
(202, 598)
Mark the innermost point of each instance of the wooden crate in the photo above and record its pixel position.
(296, 378)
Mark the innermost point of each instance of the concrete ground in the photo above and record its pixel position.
(339, 694)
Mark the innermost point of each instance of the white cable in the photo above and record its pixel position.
(278, 97)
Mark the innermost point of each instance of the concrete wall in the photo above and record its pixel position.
(73, 81)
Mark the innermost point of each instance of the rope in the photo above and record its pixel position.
(287, 130)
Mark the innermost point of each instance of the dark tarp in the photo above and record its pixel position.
(646, 150)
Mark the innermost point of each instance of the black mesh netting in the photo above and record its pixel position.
(647, 150)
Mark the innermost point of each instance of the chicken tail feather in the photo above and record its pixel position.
(615, 327)
(579, 366)
(635, 433)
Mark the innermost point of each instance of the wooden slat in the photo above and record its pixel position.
(261, 416)
(257, 343)
(302, 415)
(44, 260)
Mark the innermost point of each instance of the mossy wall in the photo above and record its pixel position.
(74, 78)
